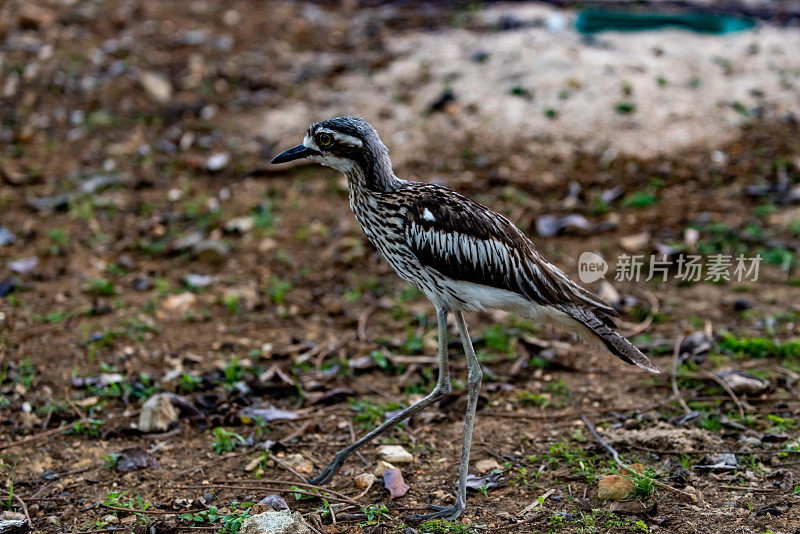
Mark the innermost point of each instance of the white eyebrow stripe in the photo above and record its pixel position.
(343, 138)
(308, 142)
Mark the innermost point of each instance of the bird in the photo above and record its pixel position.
(463, 257)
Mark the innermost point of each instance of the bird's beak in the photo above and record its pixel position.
(300, 151)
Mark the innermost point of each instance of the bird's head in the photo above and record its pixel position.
(347, 144)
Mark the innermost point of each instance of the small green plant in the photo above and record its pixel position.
(277, 289)
(643, 484)
(442, 526)
(526, 398)
(136, 506)
(369, 413)
(59, 239)
(376, 513)
(190, 382)
(231, 301)
(110, 460)
(230, 523)
(521, 91)
(710, 422)
(101, 287)
(10, 502)
(380, 359)
(408, 294)
(625, 108)
(225, 440)
(263, 217)
(685, 461)
(760, 347)
(500, 338)
(90, 427)
(640, 199)
(26, 373)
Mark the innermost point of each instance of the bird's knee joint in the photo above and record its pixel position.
(443, 390)
(475, 378)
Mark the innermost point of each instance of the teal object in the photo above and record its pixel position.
(594, 21)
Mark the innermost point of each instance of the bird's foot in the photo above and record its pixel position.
(441, 512)
(327, 474)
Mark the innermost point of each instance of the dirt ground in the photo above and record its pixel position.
(146, 247)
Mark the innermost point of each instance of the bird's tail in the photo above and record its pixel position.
(602, 328)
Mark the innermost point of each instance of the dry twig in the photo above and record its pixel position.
(686, 496)
(286, 466)
(40, 435)
(676, 355)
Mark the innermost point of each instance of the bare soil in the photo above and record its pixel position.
(300, 312)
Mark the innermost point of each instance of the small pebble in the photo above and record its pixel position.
(395, 454)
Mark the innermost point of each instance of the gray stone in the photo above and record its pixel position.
(12, 523)
(211, 252)
(283, 522)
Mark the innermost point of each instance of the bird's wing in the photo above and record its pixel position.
(467, 241)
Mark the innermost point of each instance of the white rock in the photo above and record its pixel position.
(283, 522)
(395, 454)
(179, 304)
(157, 413)
(635, 242)
(156, 86)
(240, 224)
(365, 480)
(380, 467)
(218, 161)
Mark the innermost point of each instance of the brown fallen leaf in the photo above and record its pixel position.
(133, 458)
(633, 508)
(393, 481)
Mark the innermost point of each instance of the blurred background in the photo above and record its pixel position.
(147, 246)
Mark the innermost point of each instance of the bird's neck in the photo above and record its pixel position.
(372, 173)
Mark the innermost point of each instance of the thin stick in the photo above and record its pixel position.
(72, 406)
(644, 325)
(330, 497)
(729, 391)
(40, 435)
(687, 496)
(676, 354)
(362, 322)
(295, 433)
(24, 508)
(152, 512)
(709, 451)
(206, 464)
(745, 488)
(574, 413)
(286, 466)
(300, 484)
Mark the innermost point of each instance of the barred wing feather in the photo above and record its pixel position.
(467, 241)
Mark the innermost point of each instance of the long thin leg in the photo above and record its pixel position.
(474, 382)
(441, 390)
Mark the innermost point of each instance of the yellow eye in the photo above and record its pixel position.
(325, 139)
